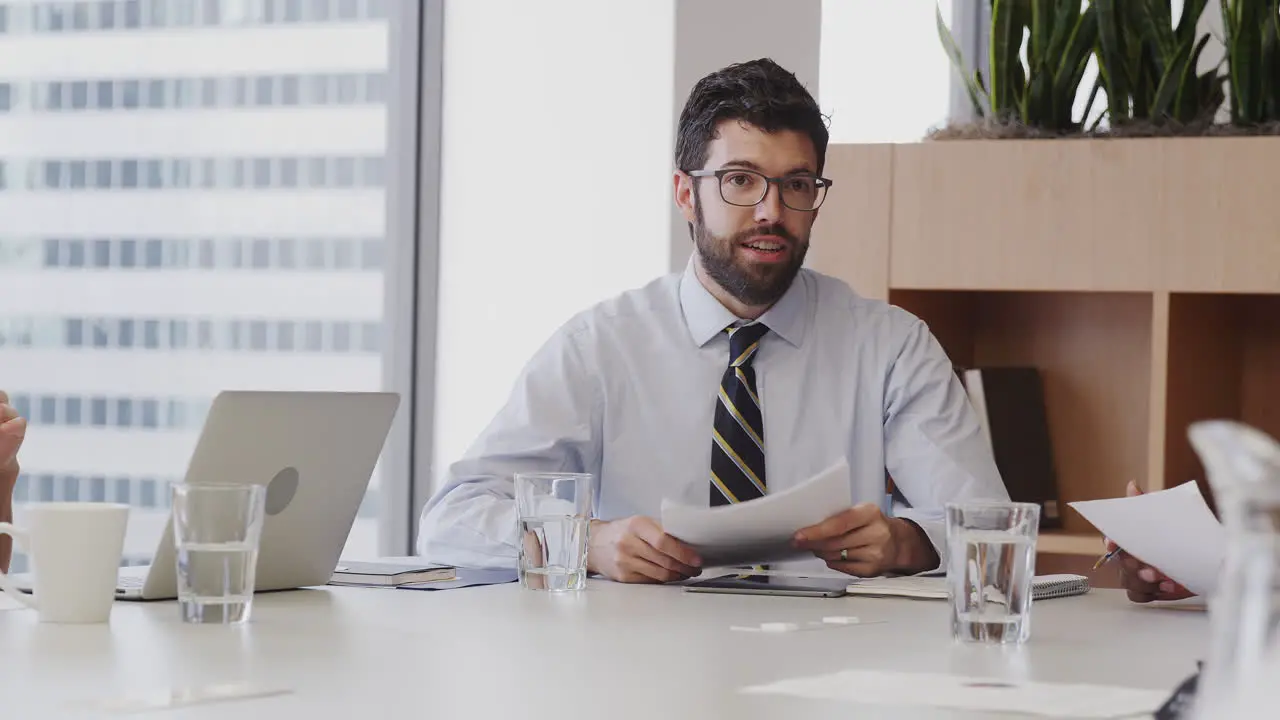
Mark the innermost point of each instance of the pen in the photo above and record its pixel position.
(1106, 558)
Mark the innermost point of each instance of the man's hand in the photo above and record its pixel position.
(861, 541)
(12, 431)
(1142, 582)
(636, 550)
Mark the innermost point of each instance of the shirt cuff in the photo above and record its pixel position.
(935, 529)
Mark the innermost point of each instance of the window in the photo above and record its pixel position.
(107, 15)
(98, 411)
(72, 412)
(124, 337)
(102, 253)
(151, 334)
(186, 244)
(77, 174)
(75, 253)
(128, 253)
(48, 410)
(74, 333)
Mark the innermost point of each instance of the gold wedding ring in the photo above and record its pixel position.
(844, 554)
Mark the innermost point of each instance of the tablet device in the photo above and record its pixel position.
(762, 584)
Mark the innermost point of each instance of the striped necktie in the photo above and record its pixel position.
(737, 452)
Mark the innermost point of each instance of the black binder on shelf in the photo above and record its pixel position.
(1010, 405)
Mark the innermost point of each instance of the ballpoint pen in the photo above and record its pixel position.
(1106, 558)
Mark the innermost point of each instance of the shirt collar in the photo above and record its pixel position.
(705, 316)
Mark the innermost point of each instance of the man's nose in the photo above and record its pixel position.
(769, 210)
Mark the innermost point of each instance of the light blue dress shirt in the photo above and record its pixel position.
(626, 391)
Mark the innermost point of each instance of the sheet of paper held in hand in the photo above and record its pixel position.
(899, 689)
(760, 530)
(1173, 530)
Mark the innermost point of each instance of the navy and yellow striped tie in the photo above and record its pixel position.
(737, 452)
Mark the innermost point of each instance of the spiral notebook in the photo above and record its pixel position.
(1043, 587)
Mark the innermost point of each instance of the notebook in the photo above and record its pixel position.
(388, 574)
(1043, 587)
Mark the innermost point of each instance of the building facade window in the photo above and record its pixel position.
(258, 173)
(344, 254)
(93, 16)
(198, 93)
(258, 335)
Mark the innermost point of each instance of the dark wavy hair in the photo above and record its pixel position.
(759, 92)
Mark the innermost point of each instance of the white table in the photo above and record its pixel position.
(610, 651)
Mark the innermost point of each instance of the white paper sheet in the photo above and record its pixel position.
(953, 692)
(1172, 530)
(760, 530)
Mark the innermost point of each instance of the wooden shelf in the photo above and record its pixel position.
(1094, 354)
(1223, 362)
(1141, 276)
(1068, 543)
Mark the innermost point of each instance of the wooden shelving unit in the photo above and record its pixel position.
(1141, 276)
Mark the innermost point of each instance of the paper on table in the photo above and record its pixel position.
(1173, 530)
(967, 693)
(760, 530)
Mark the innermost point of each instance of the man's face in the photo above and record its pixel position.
(753, 253)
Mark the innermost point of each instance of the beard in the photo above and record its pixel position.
(753, 284)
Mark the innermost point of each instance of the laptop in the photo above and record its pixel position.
(315, 452)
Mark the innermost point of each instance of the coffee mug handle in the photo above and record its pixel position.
(7, 585)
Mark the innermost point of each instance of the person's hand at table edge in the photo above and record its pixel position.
(1142, 582)
(636, 550)
(864, 542)
(13, 429)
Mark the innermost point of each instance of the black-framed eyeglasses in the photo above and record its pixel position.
(747, 188)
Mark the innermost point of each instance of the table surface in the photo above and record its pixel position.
(611, 650)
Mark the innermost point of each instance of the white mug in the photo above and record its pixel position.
(75, 550)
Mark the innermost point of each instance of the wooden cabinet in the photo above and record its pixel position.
(1141, 276)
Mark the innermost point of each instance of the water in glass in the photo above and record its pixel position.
(991, 555)
(216, 581)
(551, 552)
(216, 534)
(553, 512)
(993, 600)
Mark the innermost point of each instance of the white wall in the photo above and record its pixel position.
(885, 77)
(555, 183)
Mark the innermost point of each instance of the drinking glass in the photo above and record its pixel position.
(216, 532)
(554, 512)
(991, 548)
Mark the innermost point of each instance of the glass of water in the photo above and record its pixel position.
(991, 562)
(554, 511)
(216, 529)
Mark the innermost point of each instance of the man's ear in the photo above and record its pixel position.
(683, 186)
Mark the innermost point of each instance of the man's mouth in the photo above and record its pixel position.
(768, 245)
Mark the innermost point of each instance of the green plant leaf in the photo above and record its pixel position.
(1006, 40)
(975, 89)
(1174, 76)
(1155, 30)
(1245, 56)
(1041, 17)
(1111, 57)
(1192, 10)
(1065, 21)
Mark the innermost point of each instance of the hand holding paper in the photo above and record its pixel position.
(1173, 530)
(760, 530)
